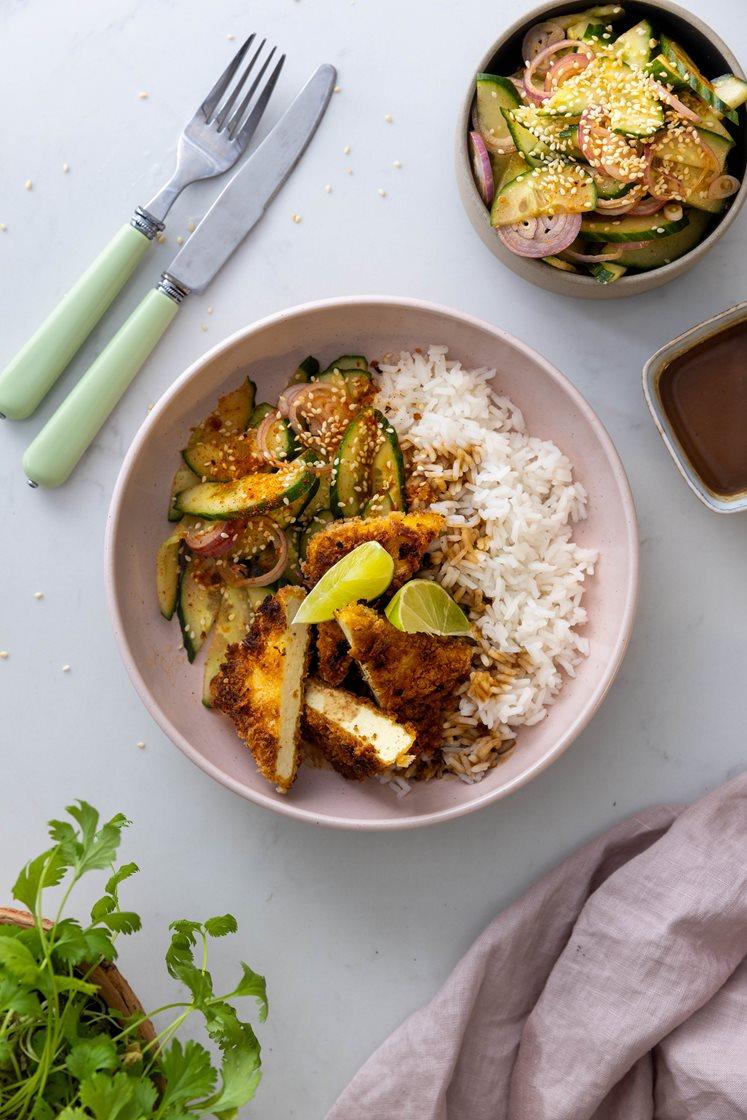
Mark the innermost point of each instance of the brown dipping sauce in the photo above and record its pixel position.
(704, 393)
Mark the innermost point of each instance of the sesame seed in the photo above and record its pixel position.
(347, 150)
(296, 218)
(328, 188)
(337, 89)
(161, 237)
(38, 594)
(3, 227)
(389, 118)
(140, 745)
(191, 225)
(179, 239)
(28, 184)
(349, 170)
(210, 311)
(382, 192)
(4, 655)
(230, 38)
(142, 96)
(203, 326)
(66, 167)
(397, 163)
(66, 668)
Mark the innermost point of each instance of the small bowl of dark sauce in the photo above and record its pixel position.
(696, 389)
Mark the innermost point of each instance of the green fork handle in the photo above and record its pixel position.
(36, 367)
(52, 457)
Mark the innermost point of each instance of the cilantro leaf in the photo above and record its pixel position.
(48, 869)
(126, 871)
(252, 984)
(16, 959)
(188, 1072)
(92, 1055)
(106, 1097)
(240, 1077)
(123, 921)
(219, 927)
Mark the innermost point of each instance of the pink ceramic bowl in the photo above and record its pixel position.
(170, 687)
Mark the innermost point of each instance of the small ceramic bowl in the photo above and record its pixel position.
(652, 371)
(171, 688)
(706, 48)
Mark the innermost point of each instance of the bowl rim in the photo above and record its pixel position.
(285, 806)
(626, 285)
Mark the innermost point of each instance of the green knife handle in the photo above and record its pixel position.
(55, 452)
(36, 367)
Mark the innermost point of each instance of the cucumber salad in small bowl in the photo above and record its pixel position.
(602, 149)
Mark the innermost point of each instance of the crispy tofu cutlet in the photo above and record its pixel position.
(333, 659)
(405, 536)
(412, 676)
(261, 684)
(352, 734)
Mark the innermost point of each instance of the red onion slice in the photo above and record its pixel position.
(308, 410)
(565, 67)
(539, 37)
(595, 258)
(481, 167)
(648, 206)
(723, 186)
(538, 95)
(216, 540)
(275, 536)
(597, 143)
(549, 235)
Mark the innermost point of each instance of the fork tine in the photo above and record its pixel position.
(220, 87)
(246, 133)
(220, 119)
(235, 129)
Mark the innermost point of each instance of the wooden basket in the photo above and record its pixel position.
(113, 988)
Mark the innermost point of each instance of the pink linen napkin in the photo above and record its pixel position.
(615, 989)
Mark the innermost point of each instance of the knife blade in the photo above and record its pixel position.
(244, 200)
(51, 458)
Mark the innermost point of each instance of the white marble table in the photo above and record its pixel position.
(352, 931)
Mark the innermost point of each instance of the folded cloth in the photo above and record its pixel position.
(615, 989)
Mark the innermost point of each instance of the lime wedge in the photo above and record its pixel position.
(421, 606)
(365, 573)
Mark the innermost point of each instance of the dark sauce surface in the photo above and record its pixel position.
(704, 393)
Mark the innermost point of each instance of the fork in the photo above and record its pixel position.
(217, 135)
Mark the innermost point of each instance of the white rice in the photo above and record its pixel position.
(510, 503)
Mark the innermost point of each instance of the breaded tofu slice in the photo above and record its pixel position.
(333, 659)
(353, 735)
(405, 536)
(412, 676)
(260, 686)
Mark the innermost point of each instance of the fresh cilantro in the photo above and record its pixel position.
(65, 1055)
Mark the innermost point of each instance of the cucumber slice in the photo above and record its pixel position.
(319, 500)
(731, 90)
(292, 571)
(634, 47)
(223, 460)
(350, 481)
(607, 187)
(255, 493)
(388, 470)
(685, 148)
(321, 519)
(512, 166)
(600, 84)
(666, 249)
(662, 70)
(233, 621)
(259, 413)
(348, 361)
(533, 151)
(356, 382)
(608, 272)
(494, 94)
(168, 564)
(307, 369)
(710, 123)
(217, 449)
(544, 191)
(285, 515)
(183, 479)
(198, 603)
(547, 135)
(692, 76)
(630, 228)
(378, 505)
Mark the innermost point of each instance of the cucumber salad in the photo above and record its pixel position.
(607, 151)
(256, 483)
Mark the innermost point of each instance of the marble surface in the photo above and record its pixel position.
(352, 931)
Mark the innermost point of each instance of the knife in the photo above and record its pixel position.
(59, 446)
